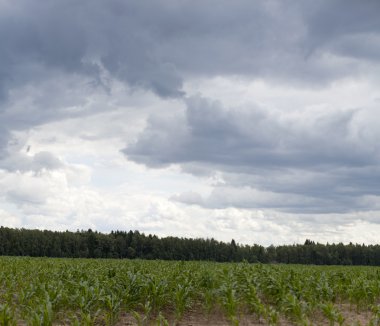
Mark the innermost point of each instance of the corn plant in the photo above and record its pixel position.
(182, 299)
(161, 320)
(113, 306)
(229, 301)
(41, 291)
(7, 316)
(332, 314)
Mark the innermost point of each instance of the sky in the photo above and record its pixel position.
(252, 120)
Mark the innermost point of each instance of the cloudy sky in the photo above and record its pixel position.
(252, 120)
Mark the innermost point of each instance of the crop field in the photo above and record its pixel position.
(45, 291)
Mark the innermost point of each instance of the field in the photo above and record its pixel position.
(45, 291)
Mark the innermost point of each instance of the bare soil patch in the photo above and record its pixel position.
(199, 318)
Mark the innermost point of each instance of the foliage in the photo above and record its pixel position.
(119, 244)
(45, 291)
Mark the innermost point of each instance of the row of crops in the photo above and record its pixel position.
(45, 291)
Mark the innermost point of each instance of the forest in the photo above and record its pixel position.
(133, 244)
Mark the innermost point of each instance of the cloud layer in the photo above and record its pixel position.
(246, 111)
(313, 160)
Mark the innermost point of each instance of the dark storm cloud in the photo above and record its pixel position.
(158, 44)
(78, 37)
(322, 161)
(252, 137)
(346, 28)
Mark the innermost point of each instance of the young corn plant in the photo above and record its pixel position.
(89, 318)
(207, 287)
(229, 301)
(254, 303)
(156, 291)
(42, 315)
(7, 316)
(161, 320)
(113, 306)
(271, 315)
(182, 299)
(209, 300)
(132, 289)
(375, 319)
(332, 314)
(294, 308)
(144, 318)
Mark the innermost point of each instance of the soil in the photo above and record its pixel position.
(198, 318)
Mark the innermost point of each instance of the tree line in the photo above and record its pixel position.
(133, 244)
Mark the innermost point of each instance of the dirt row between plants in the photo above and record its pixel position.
(198, 318)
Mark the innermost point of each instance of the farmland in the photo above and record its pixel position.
(48, 291)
